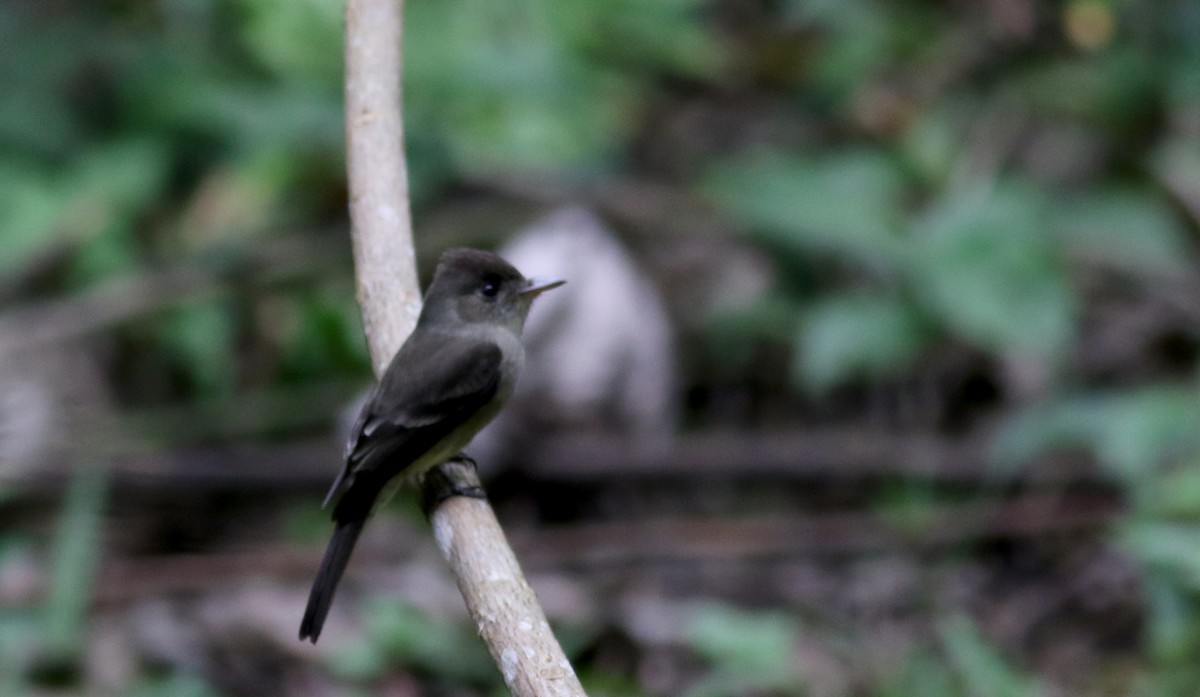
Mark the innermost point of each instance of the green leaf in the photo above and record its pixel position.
(757, 649)
(322, 332)
(1174, 493)
(922, 675)
(1170, 549)
(848, 204)
(359, 660)
(1114, 89)
(986, 264)
(859, 42)
(96, 201)
(31, 205)
(21, 627)
(189, 97)
(933, 143)
(1126, 229)
(42, 58)
(406, 634)
(504, 90)
(1182, 90)
(733, 335)
(175, 685)
(1171, 622)
(1132, 433)
(856, 336)
(666, 35)
(1147, 427)
(76, 552)
(128, 174)
(297, 38)
(1176, 164)
(202, 336)
(982, 669)
(113, 187)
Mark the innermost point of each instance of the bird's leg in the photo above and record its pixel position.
(462, 472)
(458, 476)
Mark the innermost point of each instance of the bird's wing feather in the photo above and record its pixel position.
(408, 414)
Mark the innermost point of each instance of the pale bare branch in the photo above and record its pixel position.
(499, 599)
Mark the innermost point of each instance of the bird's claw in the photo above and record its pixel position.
(458, 476)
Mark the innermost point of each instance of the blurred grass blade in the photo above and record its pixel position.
(76, 549)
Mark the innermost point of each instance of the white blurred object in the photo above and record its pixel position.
(599, 350)
(28, 415)
(45, 393)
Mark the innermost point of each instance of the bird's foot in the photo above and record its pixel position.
(455, 477)
(466, 461)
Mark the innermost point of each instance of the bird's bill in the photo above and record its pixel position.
(537, 286)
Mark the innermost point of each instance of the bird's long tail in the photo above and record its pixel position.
(337, 554)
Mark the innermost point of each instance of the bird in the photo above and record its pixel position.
(446, 382)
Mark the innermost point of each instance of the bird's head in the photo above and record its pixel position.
(474, 286)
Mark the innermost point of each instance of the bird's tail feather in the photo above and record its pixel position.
(337, 555)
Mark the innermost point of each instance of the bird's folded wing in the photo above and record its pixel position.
(409, 412)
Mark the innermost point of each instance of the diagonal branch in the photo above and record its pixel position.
(504, 607)
(385, 264)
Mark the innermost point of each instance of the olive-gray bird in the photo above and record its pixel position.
(451, 376)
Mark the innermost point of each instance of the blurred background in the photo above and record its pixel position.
(876, 373)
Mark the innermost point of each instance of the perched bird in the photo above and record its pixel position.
(451, 376)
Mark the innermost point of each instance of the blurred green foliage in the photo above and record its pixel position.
(935, 176)
(976, 214)
(174, 686)
(979, 668)
(76, 555)
(398, 634)
(745, 651)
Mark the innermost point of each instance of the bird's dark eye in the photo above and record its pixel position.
(490, 289)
